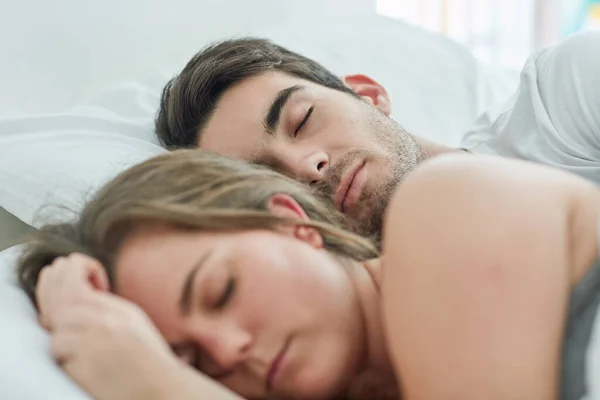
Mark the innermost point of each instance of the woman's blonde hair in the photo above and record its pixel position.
(190, 190)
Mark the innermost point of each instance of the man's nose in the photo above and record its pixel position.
(308, 169)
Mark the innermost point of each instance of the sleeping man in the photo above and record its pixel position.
(254, 100)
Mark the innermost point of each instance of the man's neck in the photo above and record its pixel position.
(431, 149)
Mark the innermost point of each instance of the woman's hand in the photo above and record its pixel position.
(107, 344)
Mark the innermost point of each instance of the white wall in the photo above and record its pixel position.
(56, 52)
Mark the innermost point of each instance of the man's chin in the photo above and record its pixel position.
(363, 227)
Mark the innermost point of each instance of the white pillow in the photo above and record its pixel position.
(50, 162)
(27, 371)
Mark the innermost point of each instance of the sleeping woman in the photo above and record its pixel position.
(193, 276)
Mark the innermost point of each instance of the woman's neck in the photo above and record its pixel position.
(376, 380)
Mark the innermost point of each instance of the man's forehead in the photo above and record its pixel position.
(236, 126)
(258, 90)
(271, 81)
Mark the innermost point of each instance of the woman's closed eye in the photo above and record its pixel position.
(226, 294)
(304, 120)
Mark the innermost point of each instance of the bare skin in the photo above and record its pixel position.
(476, 287)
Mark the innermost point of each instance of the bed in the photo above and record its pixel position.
(82, 85)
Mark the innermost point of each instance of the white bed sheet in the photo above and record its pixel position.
(27, 371)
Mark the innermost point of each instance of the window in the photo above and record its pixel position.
(500, 32)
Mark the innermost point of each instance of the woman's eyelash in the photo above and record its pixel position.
(304, 120)
(227, 293)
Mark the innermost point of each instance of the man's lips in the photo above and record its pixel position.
(350, 187)
(276, 366)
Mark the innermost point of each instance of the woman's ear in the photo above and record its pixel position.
(370, 90)
(286, 206)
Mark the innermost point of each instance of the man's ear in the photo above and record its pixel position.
(370, 90)
(286, 206)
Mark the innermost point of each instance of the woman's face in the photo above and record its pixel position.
(267, 313)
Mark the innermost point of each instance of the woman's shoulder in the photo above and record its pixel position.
(456, 172)
(481, 205)
(466, 241)
(458, 182)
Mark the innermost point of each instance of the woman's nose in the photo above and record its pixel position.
(224, 348)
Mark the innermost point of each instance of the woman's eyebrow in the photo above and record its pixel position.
(187, 293)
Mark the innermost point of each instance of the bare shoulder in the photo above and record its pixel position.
(470, 199)
(466, 240)
(482, 203)
(481, 175)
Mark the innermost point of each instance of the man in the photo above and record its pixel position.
(254, 100)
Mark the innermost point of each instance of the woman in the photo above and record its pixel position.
(488, 282)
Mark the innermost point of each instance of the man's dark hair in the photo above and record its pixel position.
(189, 99)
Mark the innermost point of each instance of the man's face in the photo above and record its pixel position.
(341, 144)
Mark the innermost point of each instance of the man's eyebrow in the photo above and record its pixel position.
(187, 294)
(271, 122)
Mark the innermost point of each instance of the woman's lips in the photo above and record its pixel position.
(276, 367)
